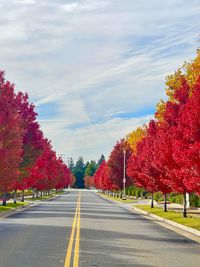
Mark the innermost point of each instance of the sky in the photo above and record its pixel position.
(95, 69)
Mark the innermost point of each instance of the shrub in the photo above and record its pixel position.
(194, 200)
(158, 196)
(176, 198)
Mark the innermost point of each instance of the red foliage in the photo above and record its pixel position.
(88, 181)
(155, 167)
(32, 139)
(186, 148)
(72, 180)
(48, 171)
(116, 164)
(11, 134)
(101, 178)
(141, 166)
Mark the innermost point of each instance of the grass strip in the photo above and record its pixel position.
(11, 206)
(173, 216)
(46, 196)
(41, 198)
(119, 199)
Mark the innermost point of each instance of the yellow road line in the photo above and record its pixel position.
(77, 244)
(69, 249)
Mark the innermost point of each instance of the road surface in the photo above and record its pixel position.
(82, 229)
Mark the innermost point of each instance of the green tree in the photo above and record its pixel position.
(102, 158)
(78, 171)
(70, 164)
(91, 168)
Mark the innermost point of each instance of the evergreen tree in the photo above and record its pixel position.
(102, 159)
(78, 171)
(91, 168)
(70, 164)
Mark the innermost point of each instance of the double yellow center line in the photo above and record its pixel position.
(75, 228)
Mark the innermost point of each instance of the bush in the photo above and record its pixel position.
(158, 197)
(126, 190)
(133, 193)
(129, 192)
(194, 200)
(176, 198)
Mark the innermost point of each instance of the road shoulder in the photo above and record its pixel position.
(188, 232)
(5, 214)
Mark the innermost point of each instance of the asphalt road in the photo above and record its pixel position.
(48, 235)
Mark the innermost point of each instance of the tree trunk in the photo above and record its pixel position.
(37, 193)
(165, 202)
(23, 195)
(15, 196)
(33, 194)
(184, 206)
(4, 198)
(152, 206)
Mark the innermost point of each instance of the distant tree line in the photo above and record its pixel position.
(83, 172)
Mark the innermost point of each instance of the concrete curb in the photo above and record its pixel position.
(187, 229)
(177, 225)
(4, 214)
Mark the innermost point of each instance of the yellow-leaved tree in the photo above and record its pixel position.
(189, 72)
(135, 136)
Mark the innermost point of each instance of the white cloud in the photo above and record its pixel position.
(92, 140)
(95, 60)
(12, 32)
(85, 5)
(26, 2)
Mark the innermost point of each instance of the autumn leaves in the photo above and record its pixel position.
(27, 159)
(165, 154)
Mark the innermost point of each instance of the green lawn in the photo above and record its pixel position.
(119, 199)
(173, 216)
(11, 206)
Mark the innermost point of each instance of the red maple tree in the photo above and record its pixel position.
(11, 135)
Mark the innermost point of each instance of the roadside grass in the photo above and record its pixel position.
(173, 216)
(11, 206)
(119, 199)
(60, 192)
(52, 194)
(41, 198)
